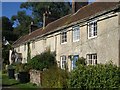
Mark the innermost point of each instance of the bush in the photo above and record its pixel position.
(4, 70)
(19, 67)
(44, 60)
(81, 61)
(54, 78)
(98, 76)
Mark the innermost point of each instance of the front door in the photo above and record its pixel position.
(75, 58)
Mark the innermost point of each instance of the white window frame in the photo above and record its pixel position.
(63, 62)
(92, 59)
(92, 29)
(63, 37)
(76, 34)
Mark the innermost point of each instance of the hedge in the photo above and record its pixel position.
(54, 78)
(97, 76)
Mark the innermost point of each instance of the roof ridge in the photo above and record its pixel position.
(83, 7)
(35, 30)
(58, 19)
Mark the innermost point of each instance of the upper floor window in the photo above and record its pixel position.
(63, 62)
(92, 29)
(33, 45)
(76, 34)
(92, 59)
(64, 37)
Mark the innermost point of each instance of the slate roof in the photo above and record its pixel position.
(83, 13)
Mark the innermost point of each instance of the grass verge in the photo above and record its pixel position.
(12, 83)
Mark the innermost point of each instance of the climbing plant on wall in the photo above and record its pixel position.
(28, 51)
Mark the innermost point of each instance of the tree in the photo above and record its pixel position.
(23, 21)
(8, 37)
(7, 29)
(55, 9)
(6, 24)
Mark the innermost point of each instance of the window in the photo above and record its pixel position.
(33, 45)
(92, 29)
(75, 58)
(64, 37)
(63, 62)
(24, 47)
(92, 59)
(76, 34)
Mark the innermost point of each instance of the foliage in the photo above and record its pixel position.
(44, 60)
(98, 76)
(81, 61)
(6, 24)
(56, 9)
(4, 70)
(10, 67)
(10, 36)
(7, 29)
(54, 78)
(28, 52)
(23, 21)
(5, 53)
(19, 67)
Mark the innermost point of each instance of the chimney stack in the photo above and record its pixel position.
(77, 5)
(47, 18)
(32, 27)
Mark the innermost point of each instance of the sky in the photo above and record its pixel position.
(11, 8)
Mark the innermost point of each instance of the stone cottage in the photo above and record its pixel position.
(92, 32)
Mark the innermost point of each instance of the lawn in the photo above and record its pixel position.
(12, 83)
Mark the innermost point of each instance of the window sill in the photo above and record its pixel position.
(63, 43)
(76, 41)
(92, 37)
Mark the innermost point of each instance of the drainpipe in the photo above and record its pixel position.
(119, 39)
(119, 36)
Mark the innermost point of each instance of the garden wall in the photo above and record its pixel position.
(36, 77)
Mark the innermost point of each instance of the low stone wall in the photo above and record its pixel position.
(35, 77)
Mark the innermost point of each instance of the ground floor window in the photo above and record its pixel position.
(75, 58)
(63, 62)
(92, 59)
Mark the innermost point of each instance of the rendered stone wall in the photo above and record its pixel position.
(35, 77)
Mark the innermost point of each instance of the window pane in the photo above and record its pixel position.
(92, 29)
(76, 34)
(63, 37)
(95, 61)
(63, 62)
(92, 59)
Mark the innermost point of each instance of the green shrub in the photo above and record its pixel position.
(98, 76)
(4, 70)
(81, 61)
(54, 78)
(19, 67)
(44, 60)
